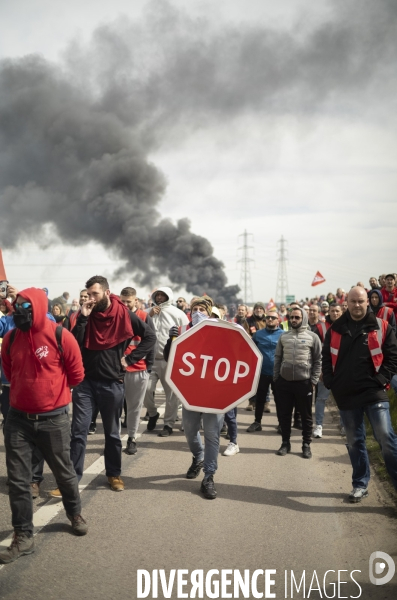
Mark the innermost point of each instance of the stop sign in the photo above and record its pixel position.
(213, 366)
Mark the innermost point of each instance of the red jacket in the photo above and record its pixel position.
(141, 365)
(40, 382)
(390, 298)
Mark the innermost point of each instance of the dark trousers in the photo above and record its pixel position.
(5, 401)
(261, 393)
(52, 437)
(231, 422)
(37, 457)
(108, 397)
(288, 395)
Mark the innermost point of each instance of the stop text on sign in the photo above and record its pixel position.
(222, 367)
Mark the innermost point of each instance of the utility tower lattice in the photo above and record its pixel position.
(282, 281)
(245, 260)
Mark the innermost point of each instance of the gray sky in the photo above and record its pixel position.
(277, 118)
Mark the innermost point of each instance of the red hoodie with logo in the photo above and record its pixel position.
(40, 381)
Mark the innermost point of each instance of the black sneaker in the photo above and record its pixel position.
(166, 432)
(255, 426)
(194, 469)
(146, 417)
(131, 446)
(152, 422)
(92, 429)
(208, 487)
(21, 544)
(284, 449)
(297, 424)
(306, 452)
(123, 424)
(79, 525)
(224, 429)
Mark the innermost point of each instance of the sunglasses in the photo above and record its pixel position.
(272, 318)
(295, 318)
(23, 305)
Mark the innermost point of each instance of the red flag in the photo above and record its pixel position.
(318, 278)
(3, 276)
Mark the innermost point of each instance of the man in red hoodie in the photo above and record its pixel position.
(40, 372)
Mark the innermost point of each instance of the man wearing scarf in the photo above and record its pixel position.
(104, 330)
(206, 457)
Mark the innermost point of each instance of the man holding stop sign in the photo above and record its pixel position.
(212, 367)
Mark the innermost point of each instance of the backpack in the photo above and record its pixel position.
(58, 337)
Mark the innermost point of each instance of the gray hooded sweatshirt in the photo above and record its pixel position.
(168, 317)
(298, 354)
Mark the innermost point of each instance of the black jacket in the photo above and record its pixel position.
(105, 364)
(355, 381)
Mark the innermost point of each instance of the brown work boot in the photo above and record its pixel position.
(116, 484)
(34, 488)
(79, 525)
(21, 544)
(55, 494)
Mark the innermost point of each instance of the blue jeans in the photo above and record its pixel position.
(321, 398)
(108, 397)
(52, 438)
(231, 422)
(379, 417)
(393, 383)
(212, 424)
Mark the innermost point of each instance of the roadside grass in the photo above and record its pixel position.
(373, 446)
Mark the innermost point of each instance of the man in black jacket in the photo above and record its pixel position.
(359, 360)
(104, 330)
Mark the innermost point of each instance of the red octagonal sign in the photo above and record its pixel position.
(213, 367)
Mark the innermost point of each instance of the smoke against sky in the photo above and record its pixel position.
(77, 136)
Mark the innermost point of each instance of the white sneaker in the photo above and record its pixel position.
(318, 431)
(231, 449)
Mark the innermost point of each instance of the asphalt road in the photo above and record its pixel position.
(284, 514)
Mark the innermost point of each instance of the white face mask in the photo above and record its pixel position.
(198, 316)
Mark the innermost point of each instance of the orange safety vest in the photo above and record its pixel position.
(136, 340)
(375, 342)
(385, 313)
(322, 329)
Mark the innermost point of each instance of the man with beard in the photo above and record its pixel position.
(359, 360)
(266, 340)
(104, 330)
(389, 292)
(257, 320)
(373, 282)
(241, 318)
(297, 368)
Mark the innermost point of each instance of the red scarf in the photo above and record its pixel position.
(109, 328)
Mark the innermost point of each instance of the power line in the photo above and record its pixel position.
(282, 281)
(245, 260)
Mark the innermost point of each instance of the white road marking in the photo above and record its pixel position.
(51, 508)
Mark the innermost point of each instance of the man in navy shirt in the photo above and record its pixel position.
(266, 339)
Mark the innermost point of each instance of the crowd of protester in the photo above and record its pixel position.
(112, 351)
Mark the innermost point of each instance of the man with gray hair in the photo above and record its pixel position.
(297, 368)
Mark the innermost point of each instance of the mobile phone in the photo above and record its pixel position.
(3, 289)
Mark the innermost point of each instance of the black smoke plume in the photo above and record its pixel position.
(76, 137)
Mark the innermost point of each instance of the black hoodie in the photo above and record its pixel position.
(355, 382)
